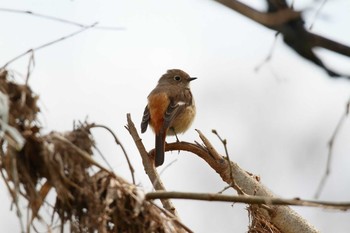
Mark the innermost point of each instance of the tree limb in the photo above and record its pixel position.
(269, 19)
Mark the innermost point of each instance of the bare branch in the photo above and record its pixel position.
(58, 19)
(269, 55)
(48, 44)
(233, 183)
(320, 41)
(31, 64)
(270, 20)
(317, 14)
(131, 168)
(248, 199)
(282, 18)
(330, 150)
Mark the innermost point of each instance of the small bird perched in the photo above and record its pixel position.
(170, 109)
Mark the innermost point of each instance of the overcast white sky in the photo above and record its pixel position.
(277, 121)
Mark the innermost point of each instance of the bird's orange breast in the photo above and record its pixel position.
(157, 105)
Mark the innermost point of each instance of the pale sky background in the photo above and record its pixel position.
(277, 121)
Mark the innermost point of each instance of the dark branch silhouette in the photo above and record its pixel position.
(288, 22)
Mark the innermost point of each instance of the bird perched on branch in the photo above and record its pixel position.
(170, 109)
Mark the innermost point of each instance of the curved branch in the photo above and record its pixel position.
(131, 168)
(282, 217)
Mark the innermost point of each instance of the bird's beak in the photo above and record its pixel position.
(191, 79)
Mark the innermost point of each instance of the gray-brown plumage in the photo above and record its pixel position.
(170, 109)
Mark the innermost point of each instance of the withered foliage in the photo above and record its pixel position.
(87, 197)
(258, 222)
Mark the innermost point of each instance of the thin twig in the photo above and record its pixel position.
(225, 188)
(269, 55)
(103, 157)
(233, 183)
(330, 150)
(31, 65)
(223, 141)
(58, 19)
(131, 168)
(48, 44)
(209, 146)
(247, 199)
(167, 166)
(317, 14)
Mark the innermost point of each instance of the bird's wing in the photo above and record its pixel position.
(173, 110)
(145, 120)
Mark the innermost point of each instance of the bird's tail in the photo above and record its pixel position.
(160, 143)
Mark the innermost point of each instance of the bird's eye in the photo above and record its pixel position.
(177, 78)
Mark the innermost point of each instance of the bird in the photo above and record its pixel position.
(170, 109)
